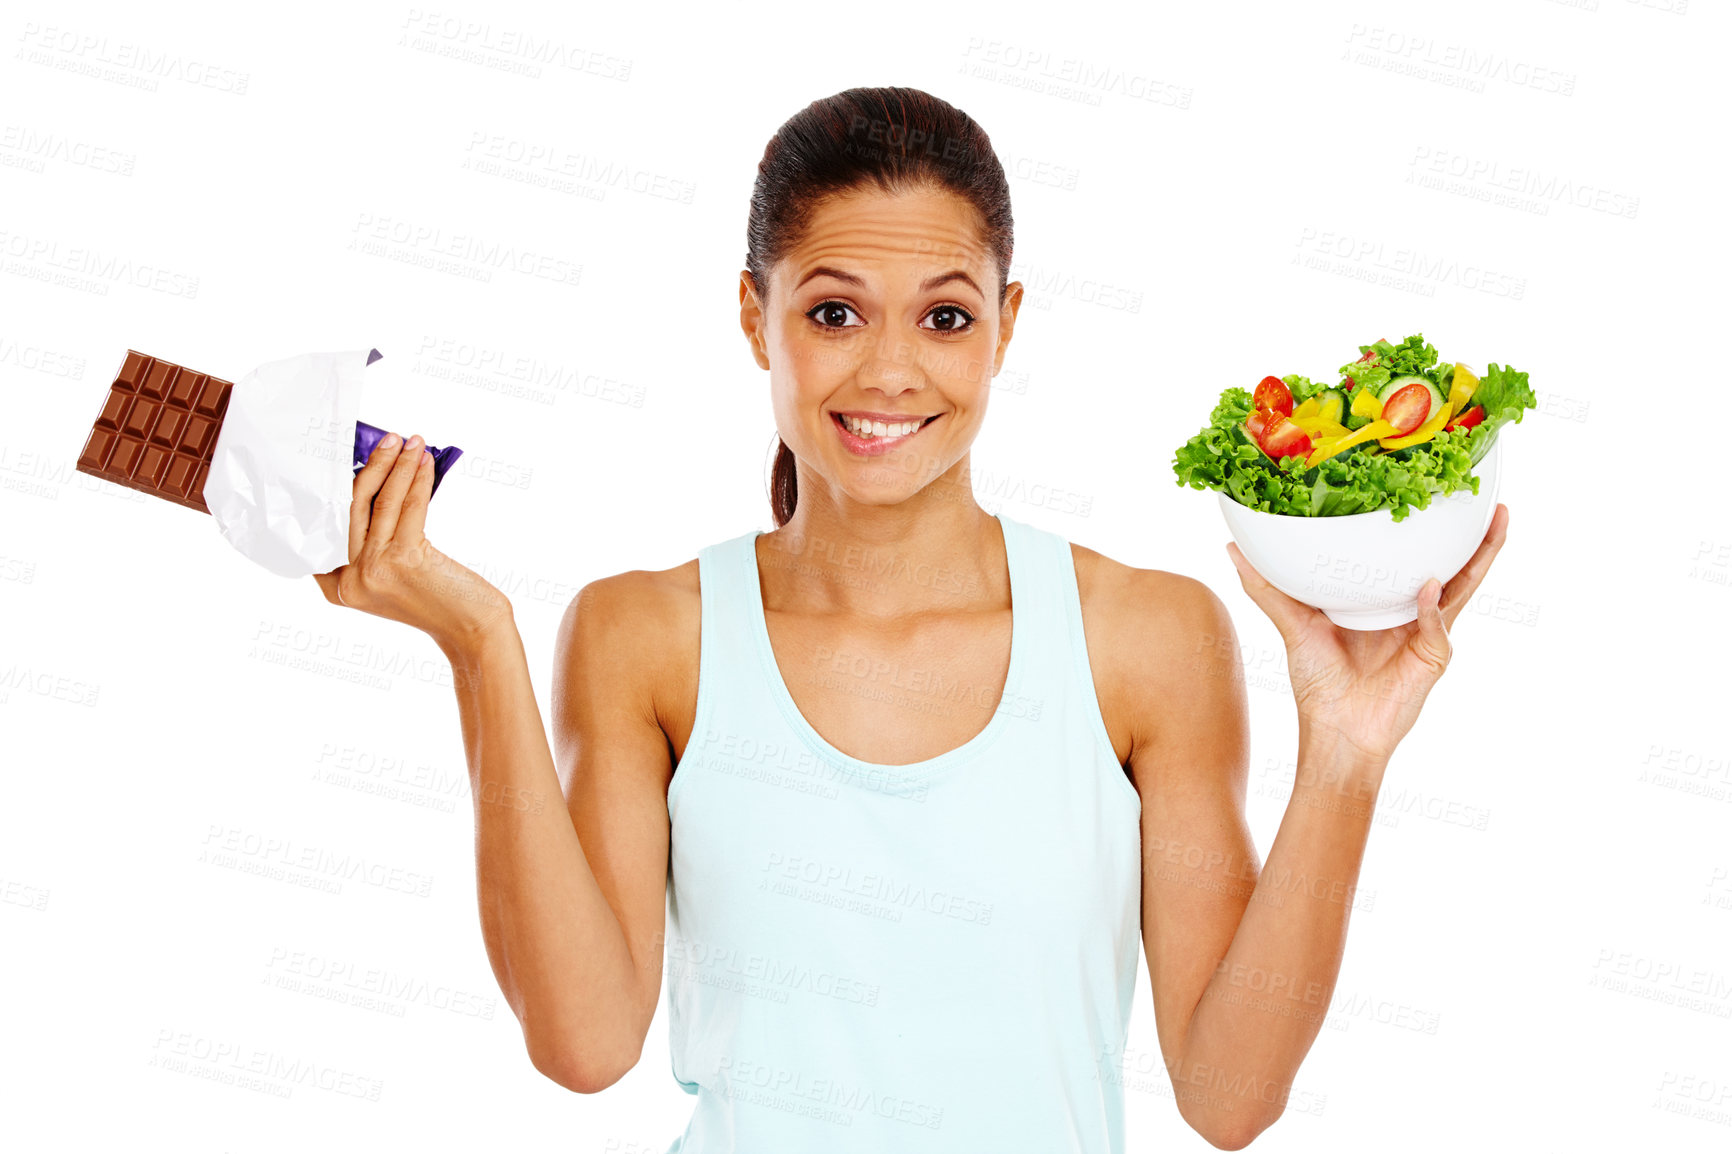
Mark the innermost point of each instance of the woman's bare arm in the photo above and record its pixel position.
(572, 923)
(1243, 959)
(570, 887)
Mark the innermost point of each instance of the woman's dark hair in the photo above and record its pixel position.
(899, 138)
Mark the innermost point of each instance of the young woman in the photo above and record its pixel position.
(911, 779)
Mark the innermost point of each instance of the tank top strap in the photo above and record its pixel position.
(1059, 669)
(728, 590)
(1037, 602)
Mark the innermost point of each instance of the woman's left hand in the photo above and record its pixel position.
(1366, 686)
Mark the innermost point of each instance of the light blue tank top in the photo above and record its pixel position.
(939, 956)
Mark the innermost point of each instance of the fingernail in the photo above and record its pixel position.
(415, 441)
(389, 440)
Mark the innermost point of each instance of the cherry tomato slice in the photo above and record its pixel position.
(1272, 394)
(1282, 438)
(1408, 408)
(1255, 423)
(1467, 418)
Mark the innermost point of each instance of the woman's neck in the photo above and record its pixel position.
(936, 550)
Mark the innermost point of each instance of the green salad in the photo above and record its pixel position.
(1399, 428)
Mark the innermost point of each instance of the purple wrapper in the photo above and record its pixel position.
(367, 438)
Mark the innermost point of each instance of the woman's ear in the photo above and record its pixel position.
(1006, 322)
(753, 320)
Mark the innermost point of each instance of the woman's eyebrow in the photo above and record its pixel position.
(928, 283)
(825, 270)
(946, 278)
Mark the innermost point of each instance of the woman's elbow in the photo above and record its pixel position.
(580, 1071)
(1234, 1133)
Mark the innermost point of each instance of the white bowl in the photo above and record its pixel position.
(1365, 570)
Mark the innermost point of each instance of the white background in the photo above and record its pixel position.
(1542, 958)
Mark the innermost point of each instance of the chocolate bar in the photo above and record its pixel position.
(158, 429)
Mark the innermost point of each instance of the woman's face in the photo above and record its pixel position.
(885, 311)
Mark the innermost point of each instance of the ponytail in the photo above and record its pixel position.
(784, 485)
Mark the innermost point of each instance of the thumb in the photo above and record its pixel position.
(328, 585)
(1431, 641)
(1287, 613)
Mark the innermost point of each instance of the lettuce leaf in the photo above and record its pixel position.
(1505, 395)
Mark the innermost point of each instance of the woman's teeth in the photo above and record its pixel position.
(862, 428)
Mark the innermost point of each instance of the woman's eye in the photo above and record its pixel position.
(830, 315)
(950, 319)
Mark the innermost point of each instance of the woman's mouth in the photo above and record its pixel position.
(868, 437)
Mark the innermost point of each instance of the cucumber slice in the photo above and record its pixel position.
(1245, 437)
(1332, 403)
(1396, 384)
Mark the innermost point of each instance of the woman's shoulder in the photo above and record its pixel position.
(1144, 601)
(639, 630)
(659, 609)
(1152, 637)
(1149, 631)
(647, 603)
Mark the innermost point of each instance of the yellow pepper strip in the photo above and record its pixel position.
(1461, 387)
(1330, 446)
(1366, 404)
(1425, 432)
(1321, 451)
(1307, 408)
(1320, 426)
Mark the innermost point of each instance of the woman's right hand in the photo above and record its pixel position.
(393, 571)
